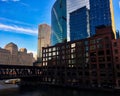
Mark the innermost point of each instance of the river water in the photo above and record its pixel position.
(37, 91)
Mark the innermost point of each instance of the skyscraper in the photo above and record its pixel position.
(44, 33)
(58, 23)
(101, 13)
(79, 24)
(77, 19)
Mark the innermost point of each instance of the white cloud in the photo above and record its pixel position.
(15, 0)
(14, 21)
(14, 28)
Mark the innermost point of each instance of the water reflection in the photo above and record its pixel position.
(35, 91)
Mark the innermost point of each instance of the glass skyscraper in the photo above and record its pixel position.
(101, 13)
(58, 23)
(77, 19)
(79, 24)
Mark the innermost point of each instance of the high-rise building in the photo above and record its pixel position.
(79, 24)
(101, 13)
(77, 19)
(43, 39)
(58, 23)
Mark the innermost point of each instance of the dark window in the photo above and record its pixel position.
(101, 59)
(94, 73)
(115, 44)
(102, 66)
(109, 65)
(100, 52)
(107, 39)
(116, 51)
(108, 52)
(93, 54)
(86, 73)
(102, 74)
(116, 59)
(118, 74)
(117, 66)
(108, 58)
(93, 66)
(93, 60)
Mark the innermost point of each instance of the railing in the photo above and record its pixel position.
(14, 71)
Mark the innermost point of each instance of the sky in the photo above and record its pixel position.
(19, 20)
(116, 5)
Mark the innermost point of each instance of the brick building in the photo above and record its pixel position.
(85, 63)
(116, 61)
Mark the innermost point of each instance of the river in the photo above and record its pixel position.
(48, 91)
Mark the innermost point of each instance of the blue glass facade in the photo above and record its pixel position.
(58, 23)
(79, 24)
(100, 14)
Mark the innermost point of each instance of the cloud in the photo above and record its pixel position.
(24, 4)
(15, 0)
(7, 20)
(17, 29)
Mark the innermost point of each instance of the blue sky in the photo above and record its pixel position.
(19, 20)
(116, 5)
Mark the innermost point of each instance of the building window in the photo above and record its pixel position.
(115, 44)
(99, 40)
(118, 74)
(107, 45)
(86, 42)
(92, 41)
(101, 59)
(116, 59)
(116, 51)
(73, 45)
(107, 39)
(93, 47)
(100, 52)
(93, 60)
(107, 52)
(93, 54)
(100, 46)
(93, 66)
(109, 58)
(102, 66)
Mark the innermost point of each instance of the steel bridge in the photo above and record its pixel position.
(14, 71)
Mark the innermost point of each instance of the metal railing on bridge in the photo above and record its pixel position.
(15, 71)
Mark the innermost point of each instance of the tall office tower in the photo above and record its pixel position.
(77, 19)
(58, 23)
(44, 33)
(101, 13)
(79, 24)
